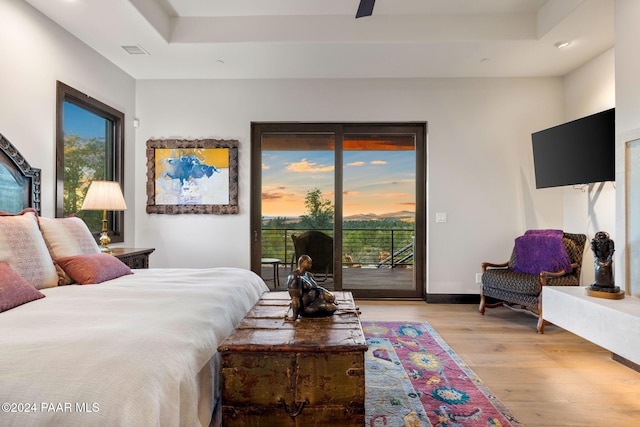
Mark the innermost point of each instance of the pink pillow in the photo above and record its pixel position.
(14, 289)
(93, 268)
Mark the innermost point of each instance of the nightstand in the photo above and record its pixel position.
(133, 257)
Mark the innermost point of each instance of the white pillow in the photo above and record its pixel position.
(67, 237)
(23, 247)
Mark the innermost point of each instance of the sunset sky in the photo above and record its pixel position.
(374, 181)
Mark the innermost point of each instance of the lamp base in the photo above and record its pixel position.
(104, 237)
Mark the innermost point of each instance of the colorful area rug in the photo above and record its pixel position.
(413, 378)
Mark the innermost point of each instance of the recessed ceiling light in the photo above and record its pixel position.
(562, 44)
(135, 50)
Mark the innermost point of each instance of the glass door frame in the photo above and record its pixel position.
(339, 130)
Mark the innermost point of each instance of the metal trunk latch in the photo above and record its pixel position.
(295, 409)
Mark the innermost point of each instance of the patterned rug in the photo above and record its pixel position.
(413, 378)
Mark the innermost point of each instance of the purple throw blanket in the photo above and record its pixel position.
(541, 250)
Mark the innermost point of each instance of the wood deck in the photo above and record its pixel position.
(353, 278)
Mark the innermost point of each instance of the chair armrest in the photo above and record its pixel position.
(548, 274)
(486, 265)
(544, 275)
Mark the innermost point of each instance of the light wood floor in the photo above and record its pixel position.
(555, 379)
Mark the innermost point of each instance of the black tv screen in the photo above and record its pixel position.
(577, 152)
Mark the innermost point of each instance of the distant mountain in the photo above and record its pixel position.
(400, 215)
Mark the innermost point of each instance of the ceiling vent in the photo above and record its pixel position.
(135, 50)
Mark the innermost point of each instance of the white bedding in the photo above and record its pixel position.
(139, 350)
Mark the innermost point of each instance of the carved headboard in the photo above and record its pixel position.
(19, 182)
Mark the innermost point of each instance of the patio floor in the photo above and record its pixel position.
(353, 278)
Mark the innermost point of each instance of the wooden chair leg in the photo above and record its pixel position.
(540, 326)
(483, 302)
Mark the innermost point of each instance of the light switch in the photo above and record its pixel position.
(441, 217)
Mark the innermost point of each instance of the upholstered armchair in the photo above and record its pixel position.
(538, 259)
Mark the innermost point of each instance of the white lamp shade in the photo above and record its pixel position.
(104, 195)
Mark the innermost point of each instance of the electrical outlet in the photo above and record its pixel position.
(478, 277)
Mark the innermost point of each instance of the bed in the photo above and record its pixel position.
(84, 341)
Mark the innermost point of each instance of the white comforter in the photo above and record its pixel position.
(134, 351)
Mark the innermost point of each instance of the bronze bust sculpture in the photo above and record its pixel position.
(307, 297)
(603, 248)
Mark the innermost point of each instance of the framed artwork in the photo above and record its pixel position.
(192, 176)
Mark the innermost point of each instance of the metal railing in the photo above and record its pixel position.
(361, 247)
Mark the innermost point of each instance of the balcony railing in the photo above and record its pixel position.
(362, 247)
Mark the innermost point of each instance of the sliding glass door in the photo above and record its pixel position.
(349, 195)
(379, 211)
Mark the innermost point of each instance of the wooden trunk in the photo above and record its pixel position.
(276, 372)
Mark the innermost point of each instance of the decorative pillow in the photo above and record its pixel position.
(93, 268)
(15, 290)
(67, 237)
(22, 246)
(536, 252)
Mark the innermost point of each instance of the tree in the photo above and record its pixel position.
(277, 222)
(84, 161)
(319, 211)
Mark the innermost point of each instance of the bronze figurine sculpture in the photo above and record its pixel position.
(307, 297)
(603, 248)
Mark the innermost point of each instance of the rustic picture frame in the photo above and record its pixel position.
(182, 177)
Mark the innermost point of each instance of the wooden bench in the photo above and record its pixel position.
(276, 372)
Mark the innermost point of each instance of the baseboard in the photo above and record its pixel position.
(453, 299)
(626, 362)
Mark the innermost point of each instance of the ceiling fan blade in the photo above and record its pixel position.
(365, 8)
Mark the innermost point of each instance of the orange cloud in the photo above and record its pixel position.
(355, 164)
(266, 195)
(306, 166)
(378, 162)
(276, 193)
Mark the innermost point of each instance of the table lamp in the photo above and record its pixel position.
(104, 196)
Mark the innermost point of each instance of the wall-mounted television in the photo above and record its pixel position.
(578, 152)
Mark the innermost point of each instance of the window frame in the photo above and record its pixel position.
(339, 130)
(114, 159)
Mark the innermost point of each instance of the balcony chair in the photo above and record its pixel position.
(517, 283)
(319, 247)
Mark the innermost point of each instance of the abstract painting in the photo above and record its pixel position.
(192, 176)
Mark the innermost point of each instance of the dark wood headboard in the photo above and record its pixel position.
(19, 182)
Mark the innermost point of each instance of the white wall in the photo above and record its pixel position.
(588, 90)
(627, 128)
(480, 166)
(35, 53)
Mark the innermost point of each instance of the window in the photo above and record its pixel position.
(89, 145)
(361, 184)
